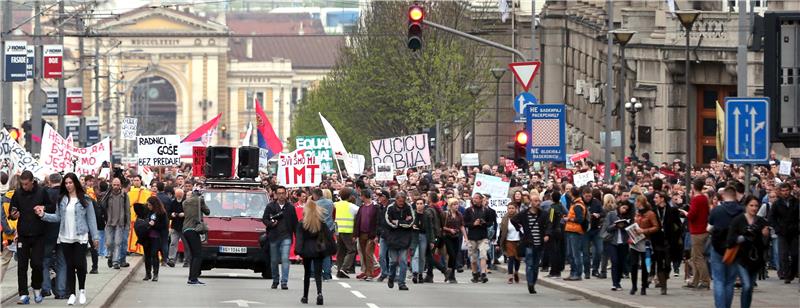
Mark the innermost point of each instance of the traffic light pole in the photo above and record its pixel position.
(475, 38)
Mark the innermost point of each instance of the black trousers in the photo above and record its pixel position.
(194, 246)
(638, 261)
(787, 246)
(430, 262)
(95, 253)
(317, 272)
(555, 248)
(75, 258)
(151, 248)
(29, 249)
(453, 246)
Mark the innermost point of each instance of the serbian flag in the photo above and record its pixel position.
(200, 137)
(267, 139)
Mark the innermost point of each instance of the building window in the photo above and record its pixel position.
(248, 102)
(303, 94)
(295, 93)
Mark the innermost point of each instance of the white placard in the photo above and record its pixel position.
(129, 126)
(404, 152)
(263, 160)
(785, 168)
(158, 150)
(17, 159)
(491, 185)
(499, 205)
(402, 179)
(470, 159)
(295, 169)
(581, 179)
(384, 172)
(354, 164)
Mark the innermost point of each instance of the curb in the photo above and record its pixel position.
(592, 296)
(107, 296)
(8, 297)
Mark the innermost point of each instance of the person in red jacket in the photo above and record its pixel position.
(698, 220)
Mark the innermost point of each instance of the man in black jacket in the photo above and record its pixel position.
(555, 247)
(53, 256)
(477, 220)
(399, 219)
(175, 213)
(30, 234)
(281, 221)
(592, 237)
(535, 230)
(784, 219)
(665, 240)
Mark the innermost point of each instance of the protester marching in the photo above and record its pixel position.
(399, 221)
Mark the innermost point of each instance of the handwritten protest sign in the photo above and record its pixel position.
(158, 150)
(198, 160)
(785, 167)
(295, 169)
(470, 159)
(581, 179)
(56, 152)
(491, 185)
(319, 147)
(129, 128)
(354, 163)
(18, 159)
(404, 152)
(499, 205)
(90, 159)
(384, 172)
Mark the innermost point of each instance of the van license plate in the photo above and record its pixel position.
(228, 249)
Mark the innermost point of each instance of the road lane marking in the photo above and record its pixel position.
(358, 294)
(371, 305)
(344, 285)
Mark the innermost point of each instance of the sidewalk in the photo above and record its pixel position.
(769, 293)
(101, 288)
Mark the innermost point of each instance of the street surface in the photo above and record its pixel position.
(242, 288)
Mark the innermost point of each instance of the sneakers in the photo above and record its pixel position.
(531, 289)
(391, 282)
(82, 297)
(274, 285)
(93, 271)
(414, 277)
(126, 264)
(171, 263)
(116, 266)
(361, 276)
(578, 278)
(284, 286)
(71, 300)
(37, 296)
(342, 275)
(195, 282)
(110, 263)
(24, 300)
(402, 287)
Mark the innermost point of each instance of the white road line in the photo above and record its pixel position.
(358, 294)
(345, 285)
(371, 305)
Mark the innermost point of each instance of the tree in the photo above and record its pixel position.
(380, 89)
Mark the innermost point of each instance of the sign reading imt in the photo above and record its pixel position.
(295, 169)
(404, 152)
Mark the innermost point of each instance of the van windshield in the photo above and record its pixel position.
(236, 204)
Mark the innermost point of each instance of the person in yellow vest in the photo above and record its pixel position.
(138, 198)
(574, 235)
(9, 227)
(344, 214)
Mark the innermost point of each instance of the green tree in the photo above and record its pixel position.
(381, 89)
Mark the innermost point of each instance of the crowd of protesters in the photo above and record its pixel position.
(646, 224)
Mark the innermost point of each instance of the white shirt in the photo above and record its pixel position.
(513, 233)
(70, 234)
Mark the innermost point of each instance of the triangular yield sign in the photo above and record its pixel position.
(525, 71)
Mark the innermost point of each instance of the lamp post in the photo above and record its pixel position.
(687, 19)
(634, 106)
(622, 36)
(498, 73)
(475, 91)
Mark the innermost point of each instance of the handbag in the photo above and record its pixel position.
(730, 255)
(325, 243)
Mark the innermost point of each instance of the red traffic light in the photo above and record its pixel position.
(415, 13)
(522, 137)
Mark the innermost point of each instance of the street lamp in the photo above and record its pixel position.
(475, 91)
(634, 106)
(687, 19)
(622, 36)
(498, 73)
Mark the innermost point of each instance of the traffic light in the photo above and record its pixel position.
(521, 149)
(415, 16)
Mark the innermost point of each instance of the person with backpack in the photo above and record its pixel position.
(555, 247)
(722, 274)
(432, 221)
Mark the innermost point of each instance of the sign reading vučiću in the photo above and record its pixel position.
(158, 150)
(404, 152)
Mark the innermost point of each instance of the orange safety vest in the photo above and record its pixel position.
(7, 208)
(574, 226)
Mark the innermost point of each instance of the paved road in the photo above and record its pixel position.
(224, 287)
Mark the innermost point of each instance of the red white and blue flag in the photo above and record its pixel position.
(267, 139)
(200, 137)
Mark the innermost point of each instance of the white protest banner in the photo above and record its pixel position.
(384, 172)
(319, 147)
(490, 185)
(354, 164)
(499, 205)
(785, 167)
(129, 128)
(404, 152)
(581, 179)
(56, 152)
(158, 150)
(470, 159)
(20, 160)
(90, 159)
(295, 169)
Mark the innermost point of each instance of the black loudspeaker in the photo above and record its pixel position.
(248, 163)
(219, 162)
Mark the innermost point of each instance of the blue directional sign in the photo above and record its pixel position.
(546, 126)
(747, 130)
(522, 100)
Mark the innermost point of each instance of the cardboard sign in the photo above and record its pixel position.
(499, 205)
(491, 185)
(354, 164)
(402, 179)
(319, 147)
(404, 152)
(198, 160)
(295, 169)
(17, 159)
(15, 61)
(52, 59)
(158, 150)
(129, 128)
(74, 101)
(384, 172)
(581, 179)
(785, 167)
(470, 159)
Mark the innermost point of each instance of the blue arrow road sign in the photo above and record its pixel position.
(522, 100)
(746, 130)
(546, 127)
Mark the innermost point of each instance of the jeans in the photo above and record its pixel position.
(532, 255)
(54, 257)
(174, 237)
(724, 277)
(575, 251)
(617, 253)
(383, 256)
(775, 261)
(418, 260)
(398, 257)
(193, 246)
(75, 257)
(101, 250)
(117, 243)
(593, 242)
(279, 253)
(748, 280)
(123, 249)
